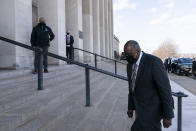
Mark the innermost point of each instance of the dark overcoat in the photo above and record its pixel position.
(151, 98)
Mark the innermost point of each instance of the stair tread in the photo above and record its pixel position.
(27, 108)
(76, 116)
(33, 83)
(5, 82)
(64, 108)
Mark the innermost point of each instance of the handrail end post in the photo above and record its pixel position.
(87, 76)
(95, 60)
(40, 69)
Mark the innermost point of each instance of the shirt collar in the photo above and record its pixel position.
(138, 61)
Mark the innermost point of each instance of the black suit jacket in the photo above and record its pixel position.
(41, 35)
(151, 98)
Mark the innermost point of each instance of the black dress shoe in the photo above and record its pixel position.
(45, 71)
(35, 72)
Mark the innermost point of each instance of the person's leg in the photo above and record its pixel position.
(71, 53)
(45, 61)
(67, 54)
(169, 68)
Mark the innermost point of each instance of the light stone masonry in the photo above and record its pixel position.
(89, 21)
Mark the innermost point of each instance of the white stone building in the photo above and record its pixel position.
(89, 21)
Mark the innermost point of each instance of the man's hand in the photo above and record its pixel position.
(130, 113)
(167, 123)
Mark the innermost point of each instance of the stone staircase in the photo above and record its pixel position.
(61, 105)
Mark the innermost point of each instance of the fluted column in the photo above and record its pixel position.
(96, 27)
(74, 25)
(106, 28)
(54, 13)
(102, 27)
(87, 28)
(15, 24)
(111, 29)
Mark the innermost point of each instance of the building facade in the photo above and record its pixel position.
(89, 21)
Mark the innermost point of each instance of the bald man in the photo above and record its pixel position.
(149, 90)
(40, 38)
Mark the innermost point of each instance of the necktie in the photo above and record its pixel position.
(133, 76)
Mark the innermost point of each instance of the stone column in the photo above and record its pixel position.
(102, 27)
(87, 28)
(15, 24)
(74, 25)
(106, 28)
(111, 30)
(54, 13)
(112, 24)
(96, 27)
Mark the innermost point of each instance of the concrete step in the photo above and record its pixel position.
(70, 120)
(108, 66)
(97, 117)
(51, 115)
(5, 74)
(8, 80)
(14, 117)
(32, 83)
(30, 91)
(117, 119)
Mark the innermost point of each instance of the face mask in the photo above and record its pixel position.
(130, 59)
(42, 22)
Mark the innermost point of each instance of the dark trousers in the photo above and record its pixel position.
(194, 72)
(69, 53)
(45, 60)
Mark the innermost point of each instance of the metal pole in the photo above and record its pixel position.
(180, 95)
(40, 71)
(115, 67)
(179, 114)
(87, 75)
(95, 60)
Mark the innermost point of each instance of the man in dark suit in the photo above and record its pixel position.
(69, 46)
(149, 90)
(40, 38)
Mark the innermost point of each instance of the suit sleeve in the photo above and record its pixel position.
(52, 36)
(161, 80)
(33, 37)
(130, 95)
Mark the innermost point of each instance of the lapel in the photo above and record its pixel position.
(129, 74)
(130, 71)
(140, 68)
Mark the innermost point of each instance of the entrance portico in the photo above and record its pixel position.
(90, 22)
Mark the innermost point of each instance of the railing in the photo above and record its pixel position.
(179, 95)
(97, 55)
(87, 67)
